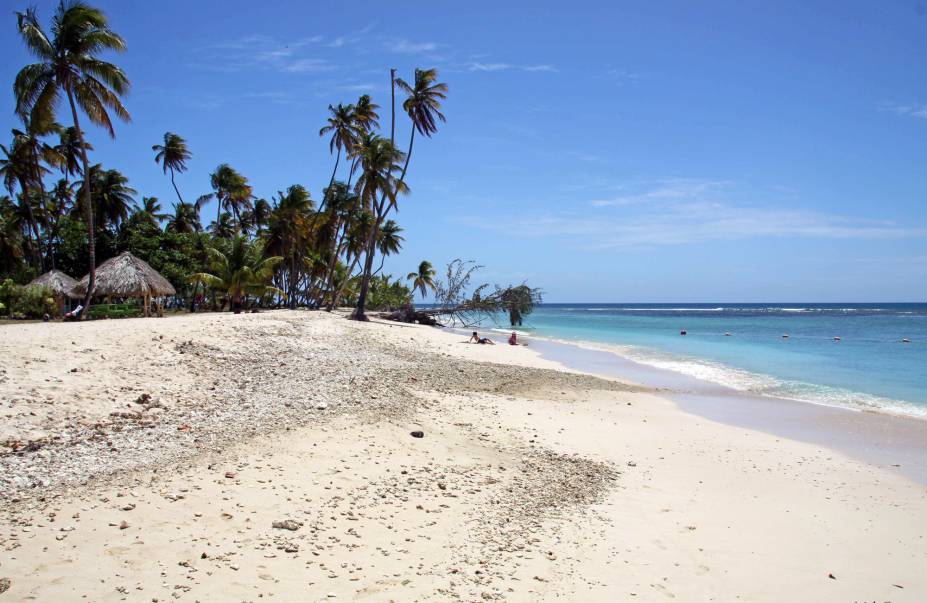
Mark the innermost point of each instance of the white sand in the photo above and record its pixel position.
(506, 497)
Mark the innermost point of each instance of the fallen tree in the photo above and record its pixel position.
(455, 303)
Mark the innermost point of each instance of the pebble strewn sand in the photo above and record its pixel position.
(271, 456)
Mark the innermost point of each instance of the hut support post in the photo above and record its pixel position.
(147, 306)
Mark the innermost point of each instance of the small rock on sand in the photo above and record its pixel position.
(4, 585)
(286, 524)
(418, 434)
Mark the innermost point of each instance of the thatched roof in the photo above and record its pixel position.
(126, 276)
(60, 283)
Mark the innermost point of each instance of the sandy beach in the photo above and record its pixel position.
(214, 457)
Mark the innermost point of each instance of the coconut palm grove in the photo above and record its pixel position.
(64, 212)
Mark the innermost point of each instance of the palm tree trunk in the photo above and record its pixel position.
(33, 224)
(368, 262)
(176, 190)
(334, 171)
(88, 210)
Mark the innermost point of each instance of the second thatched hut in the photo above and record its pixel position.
(60, 284)
(127, 276)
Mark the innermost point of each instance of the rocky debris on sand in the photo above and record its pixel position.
(418, 434)
(4, 585)
(287, 524)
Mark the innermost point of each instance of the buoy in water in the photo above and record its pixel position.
(727, 333)
(785, 336)
(682, 332)
(836, 339)
(905, 340)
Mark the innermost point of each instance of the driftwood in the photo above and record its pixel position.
(411, 315)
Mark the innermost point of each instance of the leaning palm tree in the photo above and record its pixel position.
(240, 272)
(69, 64)
(173, 156)
(389, 241)
(340, 125)
(423, 105)
(225, 227)
(424, 279)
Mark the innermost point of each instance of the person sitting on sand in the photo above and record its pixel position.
(475, 338)
(513, 339)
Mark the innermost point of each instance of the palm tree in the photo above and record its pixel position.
(389, 241)
(232, 191)
(365, 115)
(379, 161)
(69, 149)
(240, 272)
(423, 280)
(11, 247)
(152, 208)
(16, 169)
(289, 230)
(423, 105)
(186, 219)
(173, 156)
(340, 125)
(225, 227)
(260, 215)
(112, 196)
(68, 63)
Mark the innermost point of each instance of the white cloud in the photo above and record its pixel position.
(674, 188)
(691, 211)
(909, 110)
(307, 66)
(478, 66)
(404, 46)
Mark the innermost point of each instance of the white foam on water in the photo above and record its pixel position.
(752, 382)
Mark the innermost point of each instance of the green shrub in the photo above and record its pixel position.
(34, 302)
(114, 310)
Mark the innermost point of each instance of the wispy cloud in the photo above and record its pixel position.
(673, 188)
(909, 110)
(258, 51)
(690, 211)
(489, 67)
(404, 46)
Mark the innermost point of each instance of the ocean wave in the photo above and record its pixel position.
(752, 382)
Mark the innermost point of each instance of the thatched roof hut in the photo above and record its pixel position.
(126, 276)
(60, 283)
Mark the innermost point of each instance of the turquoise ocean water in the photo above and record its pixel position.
(869, 367)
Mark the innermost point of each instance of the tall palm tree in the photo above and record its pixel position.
(16, 170)
(69, 63)
(69, 149)
(289, 231)
(260, 215)
(424, 279)
(389, 241)
(232, 191)
(341, 126)
(423, 105)
(378, 183)
(240, 272)
(112, 197)
(173, 156)
(365, 114)
(186, 219)
(225, 227)
(11, 247)
(152, 207)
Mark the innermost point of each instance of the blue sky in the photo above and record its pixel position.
(626, 151)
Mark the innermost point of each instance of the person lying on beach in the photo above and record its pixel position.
(475, 338)
(75, 313)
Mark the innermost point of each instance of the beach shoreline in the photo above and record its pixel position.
(531, 481)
